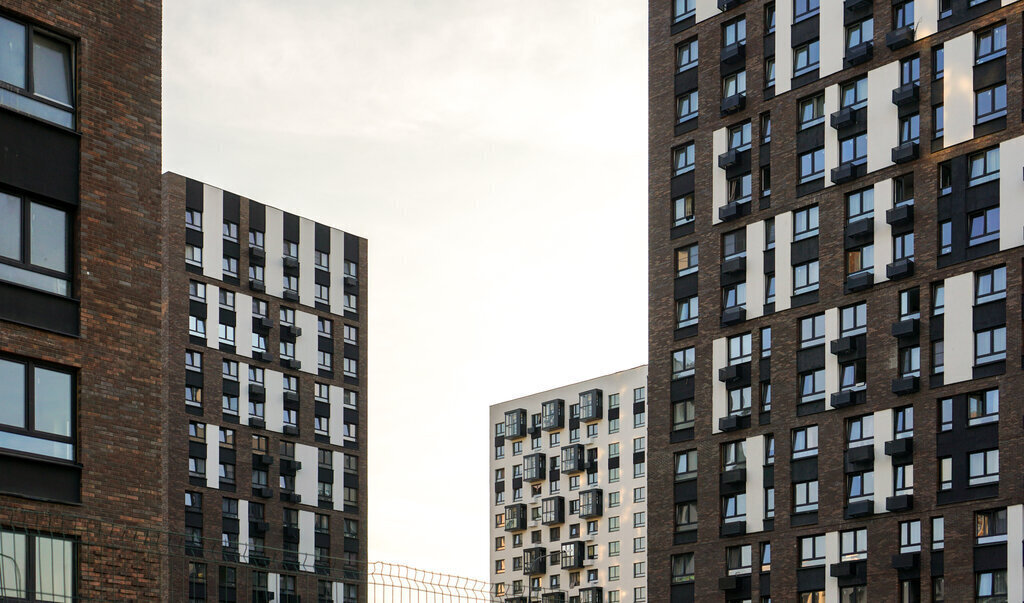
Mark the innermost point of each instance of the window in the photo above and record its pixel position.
(853, 545)
(990, 587)
(990, 526)
(983, 407)
(903, 14)
(910, 70)
(683, 363)
(860, 260)
(322, 260)
(737, 560)
(805, 496)
(853, 375)
(812, 111)
(734, 244)
(860, 431)
(197, 326)
(769, 291)
(766, 397)
(805, 442)
(686, 54)
(903, 246)
(805, 277)
(193, 361)
(734, 455)
(802, 9)
(860, 205)
(812, 386)
(990, 103)
(903, 189)
(990, 43)
(983, 467)
(739, 189)
(739, 137)
(766, 342)
(939, 121)
(686, 312)
(735, 32)
(945, 473)
(686, 465)
(683, 9)
(683, 158)
(910, 128)
(903, 479)
(734, 507)
(226, 334)
(349, 334)
(38, 71)
(739, 401)
(860, 486)
(805, 223)
(197, 291)
(904, 426)
(193, 395)
(983, 166)
(805, 58)
(683, 414)
(733, 84)
(639, 519)
(682, 208)
(938, 533)
(854, 95)
(859, 33)
(812, 330)
(983, 226)
(255, 273)
(37, 409)
(290, 283)
(990, 285)
(812, 165)
(812, 551)
(682, 568)
(322, 293)
(938, 357)
(739, 349)
(686, 106)
(853, 320)
(854, 149)
(990, 345)
(769, 72)
(35, 240)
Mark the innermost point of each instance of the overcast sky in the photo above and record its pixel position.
(493, 153)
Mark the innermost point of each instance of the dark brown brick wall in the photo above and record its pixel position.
(120, 398)
(882, 312)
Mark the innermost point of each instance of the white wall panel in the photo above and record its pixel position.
(755, 270)
(783, 47)
(1014, 553)
(707, 9)
(755, 484)
(243, 530)
(831, 556)
(243, 393)
(307, 259)
(212, 316)
(338, 462)
(831, 360)
(831, 134)
(832, 47)
(883, 462)
(306, 478)
(927, 19)
(719, 186)
(337, 422)
(783, 268)
(273, 241)
(243, 326)
(306, 344)
(213, 232)
(337, 273)
(883, 232)
(1011, 194)
(719, 395)
(274, 408)
(958, 90)
(307, 540)
(212, 456)
(883, 116)
(958, 333)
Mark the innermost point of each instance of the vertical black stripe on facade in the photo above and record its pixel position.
(322, 238)
(257, 216)
(291, 227)
(193, 194)
(231, 207)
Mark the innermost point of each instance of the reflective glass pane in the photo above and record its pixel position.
(54, 581)
(12, 395)
(48, 238)
(12, 565)
(12, 53)
(51, 69)
(53, 402)
(10, 225)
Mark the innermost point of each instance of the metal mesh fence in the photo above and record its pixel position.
(71, 559)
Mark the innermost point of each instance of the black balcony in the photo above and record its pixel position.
(728, 159)
(291, 330)
(257, 393)
(906, 561)
(846, 398)
(258, 527)
(263, 492)
(515, 518)
(590, 405)
(534, 561)
(291, 497)
(860, 281)
(859, 457)
(843, 569)
(733, 422)
(534, 466)
(734, 476)
(734, 103)
(860, 229)
(553, 415)
(728, 582)
(907, 94)
(844, 118)
(257, 285)
(554, 508)
(291, 295)
(734, 372)
(290, 262)
(860, 53)
(262, 460)
(291, 363)
(263, 323)
(907, 328)
(844, 346)
(734, 53)
(257, 253)
(734, 315)
(898, 38)
(730, 211)
(861, 508)
(733, 528)
(734, 265)
(900, 215)
(900, 448)
(905, 152)
(905, 385)
(900, 269)
(515, 423)
(724, 5)
(855, 5)
(291, 397)
(591, 504)
(901, 502)
(844, 173)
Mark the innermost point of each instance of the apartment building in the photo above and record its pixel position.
(266, 377)
(821, 227)
(80, 316)
(569, 513)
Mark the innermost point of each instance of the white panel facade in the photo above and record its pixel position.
(274, 408)
(884, 485)
(958, 90)
(755, 270)
(307, 258)
(337, 272)
(832, 48)
(306, 478)
(831, 134)
(307, 540)
(1011, 195)
(831, 360)
(783, 47)
(719, 393)
(783, 268)
(213, 232)
(883, 231)
(719, 186)
(959, 334)
(883, 116)
(243, 326)
(212, 456)
(273, 241)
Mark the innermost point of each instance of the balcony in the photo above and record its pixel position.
(262, 461)
(907, 94)
(846, 398)
(905, 385)
(733, 528)
(731, 210)
(257, 393)
(591, 594)
(553, 510)
(734, 103)
(843, 569)
(734, 53)
(860, 281)
(844, 173)
(291, 363)
(290, 262)
(534, 561)
(901, 448)
(860, 229)
(898, 38)
(734, 265)
(900, 215)
(728, 159)
(591, 504)
(734, 373)
(553, 415)
(905, 152)
(734, 477)
(724, 5)
(257, 285)
(515, 518)
(590, 405)
(861, 508)
(515, 424)
(290, 466)
(901, 502)
(733, 422)
(859, 458)
(844, 118)
(907, 328)
(291, 331)
(856, 5)
(900, 269)
(861, 53)
(734, 315)
(906, 561)
(534, 467)
(573, 459)
(263, 323)
(257, 253)
(844, 346)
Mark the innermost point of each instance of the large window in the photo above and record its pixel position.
(803, 9)
(859, 33)
(983, 467)
(983, 166)
(990, 103)
(854, 95)
(683, 9)
(805, 277)
(686, 106)
(683, 363)
(37, 409)
(686, 260)
(983, 226)
(853, 545)
(686, 54)
(812, 165)
(683, 158)
(682, 208)
(812, 551)
(990, 43)
(853, 320)
(805, 223)
(853, 149)
(35, 244)
(812, 386)
(35, 567)
(860, 205)
(990, 587)
(990, 285)
(805, 442)
(36, 73)
(812, 330)
(990, 345)
(734, 32)
(812, 111)
(805, 58)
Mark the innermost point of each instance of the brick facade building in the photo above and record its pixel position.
(835, 300)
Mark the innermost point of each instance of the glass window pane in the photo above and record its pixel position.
(48, 238)
(12, 565)
(54, 581)
(10, 215)
(53, 402)
(12, 396)
(12, 53)
(51, 69)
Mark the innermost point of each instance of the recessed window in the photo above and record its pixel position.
(686, 465)
(910, 303)
(990, 103)
(738, 189)
(910, 128)
(853, 545)
(853, 320)
(812, 330)
(854, 95)
(903, 246)
(683, 158)
(812, 386)
(739, 401)
(766, 399)
(910, 70)
(983, 226)
(812, 551)
(812, 165)
(853, 375)
(811, 111)
(769, 17)
(860, 205)
(910, 536)
(804, 9)
(805, 58)
(860, 486)
(739, 137)
(990, 345)
(990, 285)
(938, 533)
(737, 560)
(854, 149)
(322, 293)
(990, 526)
(860, 431)
(983, 407)
(903, 190)
(35, 242)
(686, 54)
(860, 260)
(903, 14)
(682, 568)
(938, 357)
(990, 44)
(938, 299)
(683, 413)
(230, 266)
(256, 239)
(194, 220)
(983, 467)
(37, 409)
(939, 121)
(805, 496)
(859, 33)
(686, 312)
(197, 291)
(686, 106)
(734, 455)
(983, 166)
(946, 414)
(769, 288)
(769, 72)
(903, 426)
(903, 479)
(945, 237)
(766, 342)
(805, 277)
(734, 84)
(682, 208)
(683, 363)
(686, 517)
(197, 326)
(990, 587)
(322, 260)
(735, 32)
(686, 260)
(230, 231)
(910, 361)
(805, 442)
(193, 361)
(734, 296)
(683, 9)
(38, 71)
(734, 244)
(805, 223)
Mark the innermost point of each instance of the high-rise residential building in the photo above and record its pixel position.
(82, 412)
(266, 364)
(569, 496)
(820, 229)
